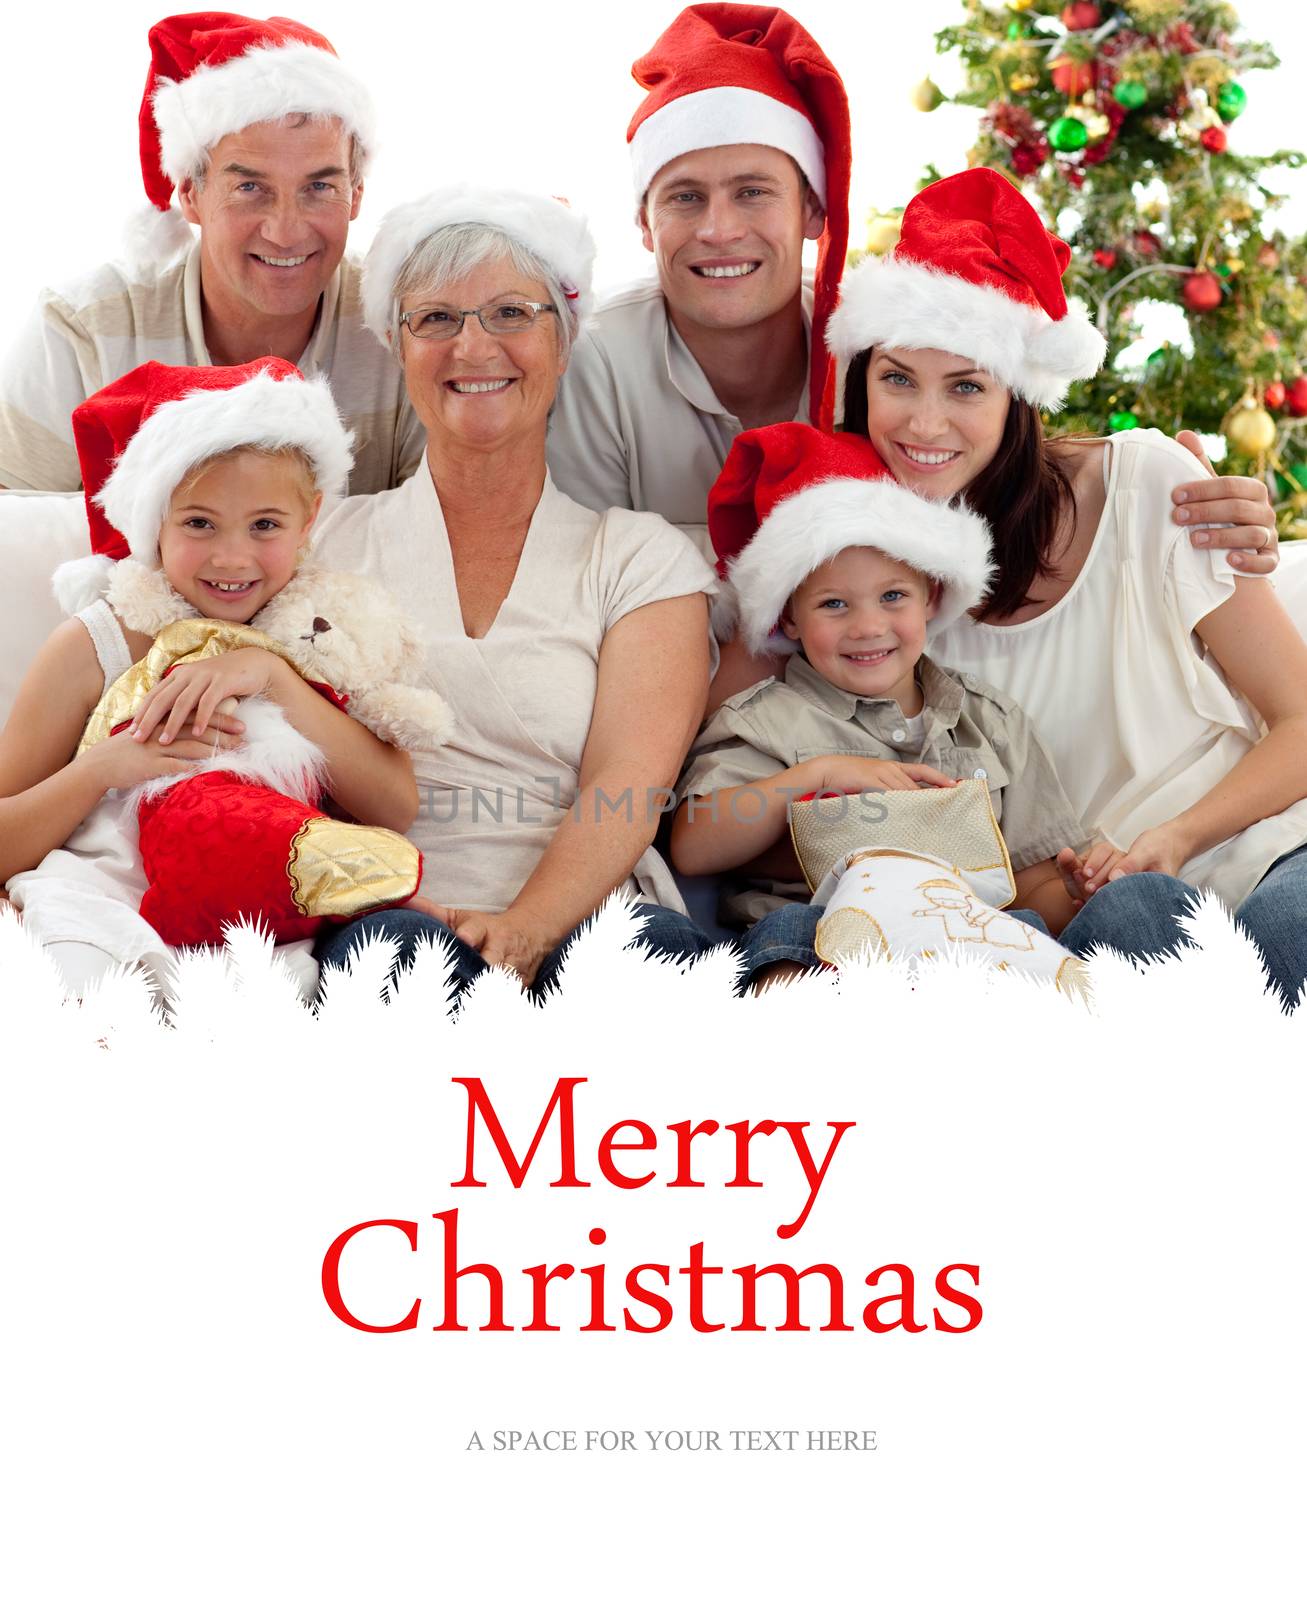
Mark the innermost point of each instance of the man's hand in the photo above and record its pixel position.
(1245, 502)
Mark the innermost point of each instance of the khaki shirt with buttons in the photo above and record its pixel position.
(969, 730)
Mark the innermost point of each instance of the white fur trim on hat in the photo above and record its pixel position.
(264, 84)
(546, 227)
(945, 541)
(152, 238)
(80, 583)
(178, 435)
(910, 306)
(725, 115)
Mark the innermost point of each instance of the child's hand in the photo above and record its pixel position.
(196, 689)
(853, 774)
(122, 762)
(1084, 874)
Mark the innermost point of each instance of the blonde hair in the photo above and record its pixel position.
(288, 453)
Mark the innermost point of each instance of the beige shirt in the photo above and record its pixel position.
(637, 423)
(522, 697)
(88, 334)
(968, 731)
(1139, 719)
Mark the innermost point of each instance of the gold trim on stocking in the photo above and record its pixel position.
(342, 869)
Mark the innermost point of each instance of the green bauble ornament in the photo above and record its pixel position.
(1130, 93)
(1122, 421)
(1224, 270)
(1231, 98)
(1068, 134)
(1016, 29)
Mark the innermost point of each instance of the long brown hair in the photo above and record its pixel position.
(1023, 494)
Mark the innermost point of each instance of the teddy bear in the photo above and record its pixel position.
(244, 836)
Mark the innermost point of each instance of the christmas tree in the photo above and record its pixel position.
(1119, 121)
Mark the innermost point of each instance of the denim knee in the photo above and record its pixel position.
(786, 934)
(404, 927)
(1135, 915)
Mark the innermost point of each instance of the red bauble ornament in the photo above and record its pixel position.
(1181, 37)
(1269, 257)
(1105, 259)
(1202, 291)
(1146, 243)
(1273, 399)
(1072, 78)
(1213, 139)
(1298, 397)
(1079, 15)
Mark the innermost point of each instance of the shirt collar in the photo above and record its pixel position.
(942, 695)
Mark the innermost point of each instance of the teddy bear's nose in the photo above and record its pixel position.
(321, 625)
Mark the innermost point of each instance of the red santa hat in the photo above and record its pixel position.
(213, 73)
(742, 74)
(976, 273)
(791, 497)
(543, 224)
(139, 437)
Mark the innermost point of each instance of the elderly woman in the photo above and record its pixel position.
(572, 647)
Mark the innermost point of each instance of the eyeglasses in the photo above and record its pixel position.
(505, 316)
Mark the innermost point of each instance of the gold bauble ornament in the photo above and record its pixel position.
(1235, 264)
(1152, 211)
(927, 95)
(1251, 430)
(1097, 126)
(1021, 82)
(882, 234)
(1019, 5)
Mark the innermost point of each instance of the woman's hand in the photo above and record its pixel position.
(503, 939)
(854, 774)
(1245, 502)
(122, 762)
(1155, 850)
(197, 688)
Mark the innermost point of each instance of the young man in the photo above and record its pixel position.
(264, 137)
(740, 152)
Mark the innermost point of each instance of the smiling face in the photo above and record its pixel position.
(861, 619)
(936, 420)
(726, 227)
(274, 211)
(233, 532)
(479, 390)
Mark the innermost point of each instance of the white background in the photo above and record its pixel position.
(185, 1419)
(517, 92)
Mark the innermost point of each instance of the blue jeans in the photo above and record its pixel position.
(1275, 913)
(667, 932)
(1137, 915)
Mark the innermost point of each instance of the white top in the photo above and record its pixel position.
(522, 696)
(637, 423)
(1139, 720)
(87, 334)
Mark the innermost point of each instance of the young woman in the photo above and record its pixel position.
(1171, 692)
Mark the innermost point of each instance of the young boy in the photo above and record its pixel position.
(819, 541)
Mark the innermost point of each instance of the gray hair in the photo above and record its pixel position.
(453, 251)
(356, 161)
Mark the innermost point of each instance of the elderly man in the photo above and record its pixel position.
(264, 137)
(740, 152)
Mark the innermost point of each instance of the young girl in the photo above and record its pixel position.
(210, 480)
(1171, 693)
